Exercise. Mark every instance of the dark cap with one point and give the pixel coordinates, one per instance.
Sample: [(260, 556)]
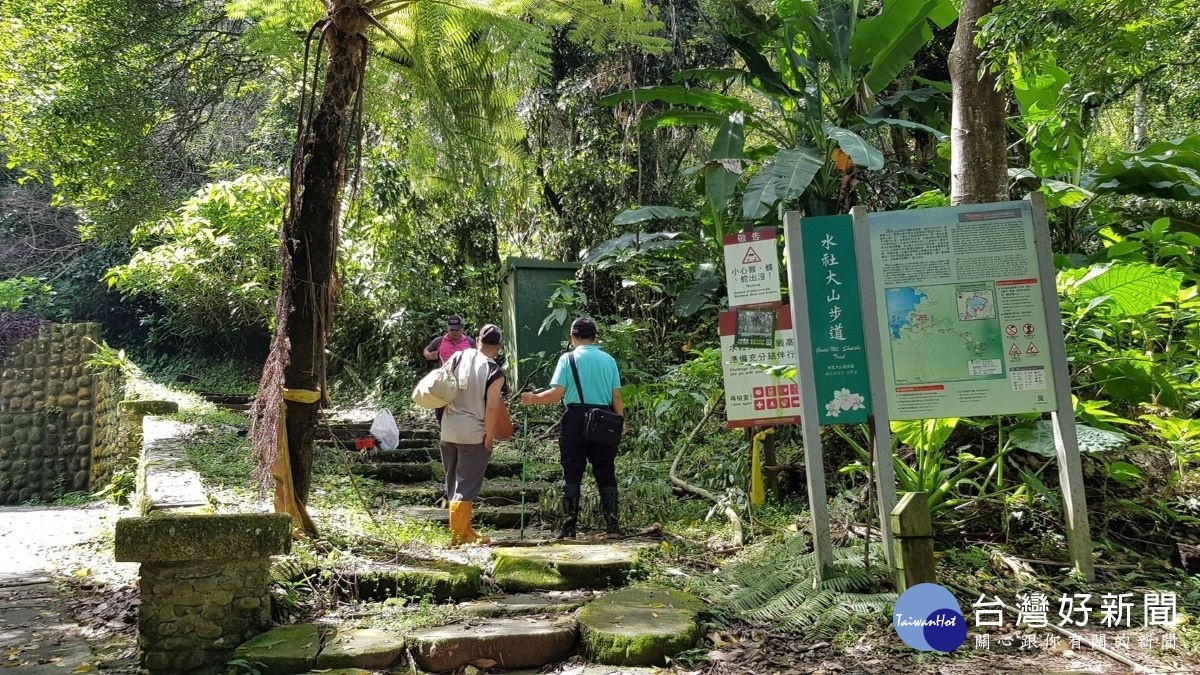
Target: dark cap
[(490, 334), (583, 328), (454, 322)]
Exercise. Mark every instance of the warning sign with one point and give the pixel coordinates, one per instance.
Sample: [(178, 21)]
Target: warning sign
[(1032, 349), (752, 268), (754, 396), (1014, 351)]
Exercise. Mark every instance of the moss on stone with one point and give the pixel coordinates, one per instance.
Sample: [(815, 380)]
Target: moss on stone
[(282, 650), (440, 580), (561, 567), (639, 626), (148, 407), (517, 574), (183, 537)]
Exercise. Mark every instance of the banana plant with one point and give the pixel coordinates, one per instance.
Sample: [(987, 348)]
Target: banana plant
[(789, 113)]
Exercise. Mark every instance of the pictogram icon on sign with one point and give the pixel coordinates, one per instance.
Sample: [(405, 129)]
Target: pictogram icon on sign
[(1014, 351), (1029, 329), (751, 256), (1011, 330), (1032, 349)]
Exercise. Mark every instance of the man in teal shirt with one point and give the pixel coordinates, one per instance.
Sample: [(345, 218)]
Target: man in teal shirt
[(600, 380)]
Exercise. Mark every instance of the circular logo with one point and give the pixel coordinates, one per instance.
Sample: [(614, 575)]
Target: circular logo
[(928, 618)]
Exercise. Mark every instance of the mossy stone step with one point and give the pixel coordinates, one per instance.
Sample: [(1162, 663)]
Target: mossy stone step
[(560, 567), (500, 517), (441, 580), (348, 431), (640, 625), (511, 643), (524, 604), (361, 648), (494, 493), (426, 447), (282, 650), (399, 455), (398, 473)]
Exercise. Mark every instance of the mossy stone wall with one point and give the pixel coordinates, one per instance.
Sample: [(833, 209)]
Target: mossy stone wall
[(55, 414), (205, 583), (194, 614)]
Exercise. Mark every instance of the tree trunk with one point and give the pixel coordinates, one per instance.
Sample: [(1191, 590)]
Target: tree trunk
[(311, 230), (978, 172), (1140, 124)]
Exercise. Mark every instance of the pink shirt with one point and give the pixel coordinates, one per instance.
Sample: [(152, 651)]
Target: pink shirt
[(446, 348)]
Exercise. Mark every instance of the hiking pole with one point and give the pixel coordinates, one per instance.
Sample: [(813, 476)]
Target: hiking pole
[(524, 454)]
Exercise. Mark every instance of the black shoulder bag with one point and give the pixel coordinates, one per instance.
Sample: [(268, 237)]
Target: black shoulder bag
[(601, 425)]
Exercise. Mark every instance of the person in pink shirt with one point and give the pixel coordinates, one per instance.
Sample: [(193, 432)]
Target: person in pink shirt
[(444, 346)]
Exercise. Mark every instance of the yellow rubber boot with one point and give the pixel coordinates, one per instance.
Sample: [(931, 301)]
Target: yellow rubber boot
[(461, 531)]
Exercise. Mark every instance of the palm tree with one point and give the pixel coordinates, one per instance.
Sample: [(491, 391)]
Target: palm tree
[(461, 56)]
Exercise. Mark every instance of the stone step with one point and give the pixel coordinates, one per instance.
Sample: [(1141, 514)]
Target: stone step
[(414, 472), (499, 517), (640, 626), (509, 643), (398, 472), (500, 492), (350, 445), (439, 579), (560, 567), (328, 649), (366, 648), (415, 453), (525, 604), (352, 430)]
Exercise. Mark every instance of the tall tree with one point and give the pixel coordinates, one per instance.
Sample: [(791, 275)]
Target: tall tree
[(978, 171), (471, 49)]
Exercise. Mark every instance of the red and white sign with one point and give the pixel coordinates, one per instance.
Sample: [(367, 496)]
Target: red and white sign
[(754, 397), (752, 267)]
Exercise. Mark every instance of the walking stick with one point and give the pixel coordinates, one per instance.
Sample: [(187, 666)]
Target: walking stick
[(524, 454)]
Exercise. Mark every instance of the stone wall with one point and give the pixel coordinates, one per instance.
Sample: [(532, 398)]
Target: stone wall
[(55, 413), (205, 583)]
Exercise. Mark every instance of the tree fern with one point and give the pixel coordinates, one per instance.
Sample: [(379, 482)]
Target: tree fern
[(776, 589)]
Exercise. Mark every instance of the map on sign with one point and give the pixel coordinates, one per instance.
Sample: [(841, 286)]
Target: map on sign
[(943, 333)]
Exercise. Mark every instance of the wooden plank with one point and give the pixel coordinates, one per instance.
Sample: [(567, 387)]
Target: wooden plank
[(885, 472), (913, 531), (814, 464), (1070, 470)]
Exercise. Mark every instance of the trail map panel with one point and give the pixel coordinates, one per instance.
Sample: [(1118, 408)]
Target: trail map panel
[(961, 311)]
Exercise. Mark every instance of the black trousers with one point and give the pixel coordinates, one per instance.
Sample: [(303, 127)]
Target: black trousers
[(575, 452)]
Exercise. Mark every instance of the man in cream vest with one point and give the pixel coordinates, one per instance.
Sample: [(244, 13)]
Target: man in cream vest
[(470, 425)]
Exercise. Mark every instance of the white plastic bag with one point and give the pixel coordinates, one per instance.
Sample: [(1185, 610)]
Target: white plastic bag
[(385, 430)]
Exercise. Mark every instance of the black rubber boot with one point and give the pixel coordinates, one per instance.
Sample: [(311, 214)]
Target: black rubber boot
[(570, 512), (608, 505)]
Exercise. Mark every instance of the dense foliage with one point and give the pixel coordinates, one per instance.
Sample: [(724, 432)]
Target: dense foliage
[(152, 155)]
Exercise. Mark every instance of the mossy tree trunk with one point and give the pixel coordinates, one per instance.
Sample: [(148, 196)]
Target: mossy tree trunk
[(311, 228)]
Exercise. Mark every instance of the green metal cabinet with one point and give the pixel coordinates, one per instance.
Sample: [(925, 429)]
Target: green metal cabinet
[(527, 287)]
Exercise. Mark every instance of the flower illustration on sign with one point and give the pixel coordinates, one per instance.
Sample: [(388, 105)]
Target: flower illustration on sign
[(844, 399)]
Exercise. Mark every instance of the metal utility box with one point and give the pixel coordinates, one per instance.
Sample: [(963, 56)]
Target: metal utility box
[(527, 287)]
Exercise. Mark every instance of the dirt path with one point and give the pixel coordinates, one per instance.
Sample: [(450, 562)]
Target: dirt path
[(65, 605)]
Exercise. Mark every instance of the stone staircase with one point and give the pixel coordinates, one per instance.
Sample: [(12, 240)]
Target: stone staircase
[(413, 474), (556, 599)]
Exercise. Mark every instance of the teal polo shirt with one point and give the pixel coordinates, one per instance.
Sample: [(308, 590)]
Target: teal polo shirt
[(598, 373)]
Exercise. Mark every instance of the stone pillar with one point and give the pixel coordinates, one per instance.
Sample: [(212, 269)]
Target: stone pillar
[(119, 441), (205, 582)]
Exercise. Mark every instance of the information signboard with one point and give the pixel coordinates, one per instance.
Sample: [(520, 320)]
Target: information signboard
[(839, 356), (754, 397), (960, 309), (752, 267)]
